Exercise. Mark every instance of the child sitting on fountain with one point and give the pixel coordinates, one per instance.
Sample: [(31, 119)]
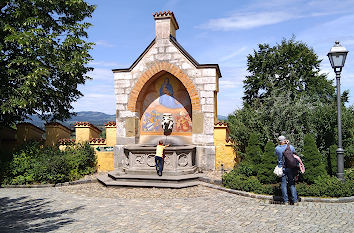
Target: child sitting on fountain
[(159, 157)]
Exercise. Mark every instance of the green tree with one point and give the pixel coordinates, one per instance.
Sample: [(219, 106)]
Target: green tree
[(348, 135), (267, 165), (278, 114), (313, 160), (290, 65), (43, 57), (253, 153), (332, 160)]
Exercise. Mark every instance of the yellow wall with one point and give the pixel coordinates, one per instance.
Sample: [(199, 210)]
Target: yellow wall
[(54, 132), (111, 136), (85, 133), (225, 153), (27, 132), (105, 161)]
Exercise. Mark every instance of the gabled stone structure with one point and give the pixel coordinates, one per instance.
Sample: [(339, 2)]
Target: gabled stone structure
[(185, 87)]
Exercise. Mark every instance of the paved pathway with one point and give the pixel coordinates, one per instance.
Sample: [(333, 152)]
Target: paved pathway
[(60, 210)]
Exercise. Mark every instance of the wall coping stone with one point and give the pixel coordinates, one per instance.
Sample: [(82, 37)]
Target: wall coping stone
[(57, 124), (86, 124), (32, 126)]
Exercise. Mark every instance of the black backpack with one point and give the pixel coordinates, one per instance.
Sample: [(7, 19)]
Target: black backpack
[(289, 159)]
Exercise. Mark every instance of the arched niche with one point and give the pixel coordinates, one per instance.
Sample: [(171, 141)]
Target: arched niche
[(164, 93)]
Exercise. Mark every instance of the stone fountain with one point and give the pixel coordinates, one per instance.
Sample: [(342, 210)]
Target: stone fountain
[(165, 95), (179, 159)]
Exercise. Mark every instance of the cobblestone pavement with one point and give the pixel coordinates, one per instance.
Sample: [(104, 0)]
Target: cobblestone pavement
[(94, 208)]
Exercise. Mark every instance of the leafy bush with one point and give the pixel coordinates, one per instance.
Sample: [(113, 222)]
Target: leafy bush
[(312, 160), (241, 182), (332, 160), (267, 165), (34, 163), (327, 186), (253, 150), (324, 186)]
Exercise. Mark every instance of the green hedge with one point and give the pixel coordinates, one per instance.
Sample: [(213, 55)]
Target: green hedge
[(34, 163), (324, 186)]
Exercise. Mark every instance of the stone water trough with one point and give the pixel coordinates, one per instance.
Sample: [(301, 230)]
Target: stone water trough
[(139, 170)]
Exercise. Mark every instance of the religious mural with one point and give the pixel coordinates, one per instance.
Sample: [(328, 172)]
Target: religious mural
[(166, 95)]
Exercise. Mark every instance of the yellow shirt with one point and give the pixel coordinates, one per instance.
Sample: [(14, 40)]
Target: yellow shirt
[(159, 150)]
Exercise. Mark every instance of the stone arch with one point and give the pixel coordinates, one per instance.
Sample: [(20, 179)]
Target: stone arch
[(155, 69)]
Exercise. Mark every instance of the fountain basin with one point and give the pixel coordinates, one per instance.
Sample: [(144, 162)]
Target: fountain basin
[(140, 159)]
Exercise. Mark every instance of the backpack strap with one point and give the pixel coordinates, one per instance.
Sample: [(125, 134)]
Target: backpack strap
[(283, 158)]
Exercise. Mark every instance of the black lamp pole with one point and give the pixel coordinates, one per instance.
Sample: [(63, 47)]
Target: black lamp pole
[(337, 56)]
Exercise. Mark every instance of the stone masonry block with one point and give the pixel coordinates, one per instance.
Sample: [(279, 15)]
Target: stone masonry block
[(207, 108), (209, 125), (171, 49), (124, 114), (153, 51), (209, 100), (161, 49), (126, 75), (121, 107), (209, 87), (123, 83), (122, 99), (206, 94), (200, 87), (204, 80), (209, 115), (186, 66), (120, 129), (163, 57), (202, 139), (136, 75), (118, 91), (193, 73), (209, 72)]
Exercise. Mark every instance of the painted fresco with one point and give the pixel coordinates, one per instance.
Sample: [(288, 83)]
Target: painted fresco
[(166, 95)]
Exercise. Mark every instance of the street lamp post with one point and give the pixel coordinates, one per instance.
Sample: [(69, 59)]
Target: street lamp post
[(337, 56)]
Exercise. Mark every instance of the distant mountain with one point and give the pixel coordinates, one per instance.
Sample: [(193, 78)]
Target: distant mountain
[(222, 118), (96, 118)]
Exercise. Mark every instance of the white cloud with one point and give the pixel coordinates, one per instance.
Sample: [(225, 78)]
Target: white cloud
[(262, 13), (236, 53), (248, 20), (97, 95), (104, 64), (227, 84), (104, 43), (101, 74)]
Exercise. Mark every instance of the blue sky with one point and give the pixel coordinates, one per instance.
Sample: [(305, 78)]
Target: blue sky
[(222, 32)]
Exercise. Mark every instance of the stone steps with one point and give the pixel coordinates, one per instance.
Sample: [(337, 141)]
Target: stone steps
[(165, 181)]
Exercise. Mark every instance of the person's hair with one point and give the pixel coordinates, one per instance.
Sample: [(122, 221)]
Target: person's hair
[(160, 142)]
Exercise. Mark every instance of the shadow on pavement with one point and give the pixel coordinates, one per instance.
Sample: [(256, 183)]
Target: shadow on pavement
[(24, 214)]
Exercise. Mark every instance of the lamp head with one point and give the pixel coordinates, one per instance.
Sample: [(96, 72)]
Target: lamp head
[(337, 56)]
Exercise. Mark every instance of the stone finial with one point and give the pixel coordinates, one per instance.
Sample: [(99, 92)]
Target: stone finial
[(165, 24)]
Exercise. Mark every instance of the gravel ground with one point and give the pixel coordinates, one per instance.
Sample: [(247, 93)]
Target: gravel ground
[(93, 208)]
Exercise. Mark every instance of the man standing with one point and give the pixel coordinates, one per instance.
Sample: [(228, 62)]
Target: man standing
[(289, 173), (159, 157)]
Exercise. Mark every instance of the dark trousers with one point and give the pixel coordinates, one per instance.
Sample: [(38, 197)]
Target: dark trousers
[(159, 164)]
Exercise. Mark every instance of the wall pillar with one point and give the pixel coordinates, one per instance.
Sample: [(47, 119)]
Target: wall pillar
[(111, 133), (54, 132), (27, 132), (85, 131)]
